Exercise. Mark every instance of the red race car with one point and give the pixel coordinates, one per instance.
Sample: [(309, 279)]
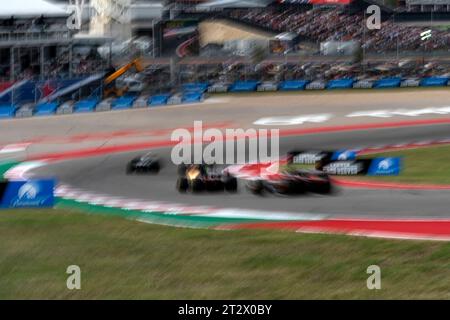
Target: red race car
[(293, 182)]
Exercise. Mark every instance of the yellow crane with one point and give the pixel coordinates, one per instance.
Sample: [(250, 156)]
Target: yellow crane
[(113, 90)]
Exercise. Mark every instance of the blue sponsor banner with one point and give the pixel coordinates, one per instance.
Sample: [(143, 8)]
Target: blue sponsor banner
[(241, 86), (385, 167), (434, 81), (192, 97), (340, 84), (388, 83), (198, 86), (343, 155), (293, 85), (28, 194)]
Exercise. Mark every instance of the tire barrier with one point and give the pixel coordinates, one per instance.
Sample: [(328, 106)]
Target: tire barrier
[(159, 100), (407, 83), (123, 103), (46, 109), (316, 85), (141, 102), (291, 85), (25, 111), (196, 86), (192, 93), (192, 97), (340, 84), (388, 83), (363, 84), (244, 86), (267, 86), (219, 87), (104, 105), (434, 82), (87, 105), (175, 99), (7, 111), (66, 108)]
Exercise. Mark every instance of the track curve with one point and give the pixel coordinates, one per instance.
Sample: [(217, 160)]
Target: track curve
[(106, 175)]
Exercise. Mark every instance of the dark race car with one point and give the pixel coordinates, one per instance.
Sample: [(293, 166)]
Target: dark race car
[(293, 182), (204, 177), (148, 163)]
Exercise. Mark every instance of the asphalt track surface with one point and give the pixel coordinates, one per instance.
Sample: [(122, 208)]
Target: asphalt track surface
[(106, 175)]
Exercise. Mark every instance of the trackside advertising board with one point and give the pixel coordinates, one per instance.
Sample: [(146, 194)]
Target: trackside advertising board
[(312, 156), (370, 167), (347, 168), (385, 167), (345, 162), (27, 194)]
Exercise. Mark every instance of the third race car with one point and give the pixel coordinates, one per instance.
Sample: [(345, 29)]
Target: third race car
[(148, 163), (203, 177)]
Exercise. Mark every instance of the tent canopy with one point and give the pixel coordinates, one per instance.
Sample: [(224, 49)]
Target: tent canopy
[(30, 8)]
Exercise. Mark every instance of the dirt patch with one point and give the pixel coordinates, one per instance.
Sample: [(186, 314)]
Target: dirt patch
[(219, 31)]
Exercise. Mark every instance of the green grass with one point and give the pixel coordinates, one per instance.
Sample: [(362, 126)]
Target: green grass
[(130, 260)]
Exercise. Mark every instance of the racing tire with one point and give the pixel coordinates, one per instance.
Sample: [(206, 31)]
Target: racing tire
[(182, 169), (182, 184), (155, 169), (231, 184), (130, 169), (197, 185), (255, 187), (326, 188)]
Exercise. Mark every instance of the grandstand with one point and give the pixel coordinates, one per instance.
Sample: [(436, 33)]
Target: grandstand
[(427, 5), (34, 40), (341, 23), (39, 57), (140, 15), (48, 68)]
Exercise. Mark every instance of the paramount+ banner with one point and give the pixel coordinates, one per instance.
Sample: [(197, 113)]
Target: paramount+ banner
[(345, 162), (369, 167), (27, 194)]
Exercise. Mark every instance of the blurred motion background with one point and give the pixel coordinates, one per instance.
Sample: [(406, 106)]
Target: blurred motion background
[(64, 50)]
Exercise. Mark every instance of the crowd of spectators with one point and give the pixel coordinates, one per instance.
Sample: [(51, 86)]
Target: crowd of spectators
[(82, 65), (337, 24), (232, 71), (405, 69), (37, 24)]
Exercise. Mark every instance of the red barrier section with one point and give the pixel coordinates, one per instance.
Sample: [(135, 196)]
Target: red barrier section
[(387, 185), (414, 229), (365, 126)]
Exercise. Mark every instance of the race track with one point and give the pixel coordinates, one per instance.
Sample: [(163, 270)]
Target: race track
[(106, 175)]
